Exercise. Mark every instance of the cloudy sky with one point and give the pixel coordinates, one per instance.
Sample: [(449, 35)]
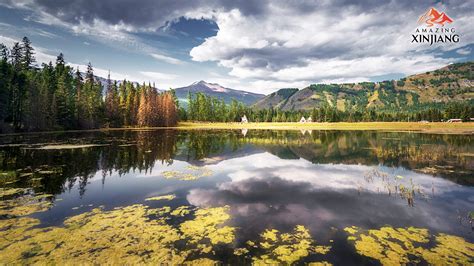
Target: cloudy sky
[(257, 46)]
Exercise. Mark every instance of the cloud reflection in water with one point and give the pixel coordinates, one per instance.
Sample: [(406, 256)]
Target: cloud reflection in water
[(265, 191)]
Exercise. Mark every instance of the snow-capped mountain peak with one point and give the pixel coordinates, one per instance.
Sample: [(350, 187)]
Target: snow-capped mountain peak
[(216, 90), (212, 86)]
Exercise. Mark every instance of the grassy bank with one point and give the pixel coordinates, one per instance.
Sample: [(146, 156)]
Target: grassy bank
[(435, 127), (438, 127)]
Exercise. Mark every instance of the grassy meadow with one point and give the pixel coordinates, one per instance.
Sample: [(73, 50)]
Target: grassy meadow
[(434, 127)]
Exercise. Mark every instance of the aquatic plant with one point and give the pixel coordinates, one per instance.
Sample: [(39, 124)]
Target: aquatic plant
[(122, 235), (283, 248), (204, 229), (24, 204), (95, 237), (163, 197), (192, 173), (395, 246), (6, 192), (7, 178), (181, 211), (396, 185)]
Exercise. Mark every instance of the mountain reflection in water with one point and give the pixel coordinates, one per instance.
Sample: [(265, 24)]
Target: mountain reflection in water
[(306, 186)]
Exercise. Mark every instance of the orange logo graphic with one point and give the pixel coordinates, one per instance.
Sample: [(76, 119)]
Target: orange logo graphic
[(433, 16)]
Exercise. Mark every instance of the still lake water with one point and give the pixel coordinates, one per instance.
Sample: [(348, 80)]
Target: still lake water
[(237, 197)]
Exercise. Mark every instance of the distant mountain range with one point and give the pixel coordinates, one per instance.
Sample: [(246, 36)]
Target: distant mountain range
[(211, 89), (216, 90), (452, 83)]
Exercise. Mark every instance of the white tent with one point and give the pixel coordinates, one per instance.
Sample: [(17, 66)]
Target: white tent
[(302, 120), (244, 119), (309, 120)]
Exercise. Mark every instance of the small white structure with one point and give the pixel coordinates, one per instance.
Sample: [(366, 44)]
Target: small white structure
[(302, 120), (454, 120), (309, 120), (244, 119)]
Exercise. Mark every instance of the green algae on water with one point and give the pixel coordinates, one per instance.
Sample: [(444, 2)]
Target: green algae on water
[(395, 246)]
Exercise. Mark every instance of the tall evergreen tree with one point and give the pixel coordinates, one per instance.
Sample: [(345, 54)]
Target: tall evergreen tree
[(112, 104), (16, 56), (4, 52), (28, 53)]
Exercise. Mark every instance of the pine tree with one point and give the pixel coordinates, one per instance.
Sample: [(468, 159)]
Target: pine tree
[(112, 103), (17, 88), (60, 64), (191, 107), (27, 53), (61, 102), (175, 98), (109, 100), (89, 98), (134, 105), (4, 52), (64, 94), (89, 73), (5, 83), (16, 56), (32, 118), (124, 107), (79, 101), (142, 118), (169, 110)]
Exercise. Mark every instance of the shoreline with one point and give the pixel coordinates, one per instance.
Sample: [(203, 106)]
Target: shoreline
[(430, 127)]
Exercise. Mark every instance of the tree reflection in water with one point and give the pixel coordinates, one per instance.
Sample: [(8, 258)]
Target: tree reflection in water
[(449, 156)]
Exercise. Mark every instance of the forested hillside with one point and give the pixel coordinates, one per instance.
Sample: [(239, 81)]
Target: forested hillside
[(57, 97), (454, 83), (276, 100)]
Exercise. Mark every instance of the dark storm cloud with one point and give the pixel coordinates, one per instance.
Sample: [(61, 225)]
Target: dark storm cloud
[(135, 13), (142, 13)]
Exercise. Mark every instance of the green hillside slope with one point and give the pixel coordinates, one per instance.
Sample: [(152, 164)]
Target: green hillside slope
[(452, 83)]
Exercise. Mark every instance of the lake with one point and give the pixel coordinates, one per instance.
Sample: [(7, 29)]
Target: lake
[(237, 197)]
